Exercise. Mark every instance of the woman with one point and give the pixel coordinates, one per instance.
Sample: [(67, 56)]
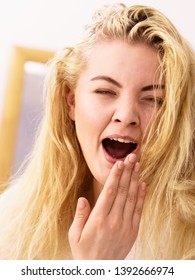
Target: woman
[(121, 99)]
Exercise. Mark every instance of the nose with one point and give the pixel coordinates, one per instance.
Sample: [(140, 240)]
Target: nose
[(127, 112)]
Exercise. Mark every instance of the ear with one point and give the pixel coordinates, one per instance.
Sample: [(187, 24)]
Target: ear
[(70, 100)]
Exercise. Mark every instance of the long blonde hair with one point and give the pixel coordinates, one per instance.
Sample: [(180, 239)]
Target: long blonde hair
[(37, 211)]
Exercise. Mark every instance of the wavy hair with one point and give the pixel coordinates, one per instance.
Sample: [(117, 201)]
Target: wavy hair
[(37, 211)]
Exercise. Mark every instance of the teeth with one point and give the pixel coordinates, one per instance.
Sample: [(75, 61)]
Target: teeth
[(122, 140)]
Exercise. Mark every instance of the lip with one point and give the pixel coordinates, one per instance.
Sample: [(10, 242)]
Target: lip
[(111, 159)]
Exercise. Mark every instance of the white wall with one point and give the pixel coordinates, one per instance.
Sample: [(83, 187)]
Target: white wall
[(52, 24)]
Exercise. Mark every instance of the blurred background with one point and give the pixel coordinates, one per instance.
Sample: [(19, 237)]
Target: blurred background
[(51, 25)]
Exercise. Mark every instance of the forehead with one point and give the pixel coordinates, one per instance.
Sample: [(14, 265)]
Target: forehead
[(122, 60)]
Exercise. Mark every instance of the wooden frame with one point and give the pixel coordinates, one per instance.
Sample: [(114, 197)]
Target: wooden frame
[(12, 104)]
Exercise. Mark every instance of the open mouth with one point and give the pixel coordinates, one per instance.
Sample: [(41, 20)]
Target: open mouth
[(118, 148)]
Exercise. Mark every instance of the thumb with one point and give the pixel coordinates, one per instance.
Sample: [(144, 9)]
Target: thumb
[(82, 213)]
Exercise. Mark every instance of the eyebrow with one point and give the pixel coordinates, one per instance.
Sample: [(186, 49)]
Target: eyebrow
[(107, 79), (114, 82), (153, 87)]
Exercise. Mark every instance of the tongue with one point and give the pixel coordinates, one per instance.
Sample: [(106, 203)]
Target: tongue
[(116, 149)]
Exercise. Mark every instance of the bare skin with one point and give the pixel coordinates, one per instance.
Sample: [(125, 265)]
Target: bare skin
[(111, 228)]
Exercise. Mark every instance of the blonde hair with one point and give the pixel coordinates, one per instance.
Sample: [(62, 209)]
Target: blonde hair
[(37, 211)]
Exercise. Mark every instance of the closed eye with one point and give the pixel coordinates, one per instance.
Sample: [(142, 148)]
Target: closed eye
[(154, 99), (105, 92)]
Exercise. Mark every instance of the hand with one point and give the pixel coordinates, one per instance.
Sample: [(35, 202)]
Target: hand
[(110, 229)]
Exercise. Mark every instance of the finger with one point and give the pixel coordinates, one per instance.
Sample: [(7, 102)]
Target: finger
[(82, 213), (139, 206), (132, 194), (123, 187), (109, 192)]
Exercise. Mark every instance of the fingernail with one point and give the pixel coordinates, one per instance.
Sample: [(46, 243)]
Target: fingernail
[(137, 167), (143, 186), (81, 203), (132, 158), (120, 165)]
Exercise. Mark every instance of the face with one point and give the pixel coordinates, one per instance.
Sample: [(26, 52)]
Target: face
[(114, 102)]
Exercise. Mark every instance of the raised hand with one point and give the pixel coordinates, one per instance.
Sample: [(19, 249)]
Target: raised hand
[(110, 229)]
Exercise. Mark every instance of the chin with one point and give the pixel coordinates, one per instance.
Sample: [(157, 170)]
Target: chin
[(99, 181)]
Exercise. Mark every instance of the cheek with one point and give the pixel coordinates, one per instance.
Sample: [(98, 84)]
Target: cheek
[(85, 113), (88, 121), (147, 119), (89, 112)]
